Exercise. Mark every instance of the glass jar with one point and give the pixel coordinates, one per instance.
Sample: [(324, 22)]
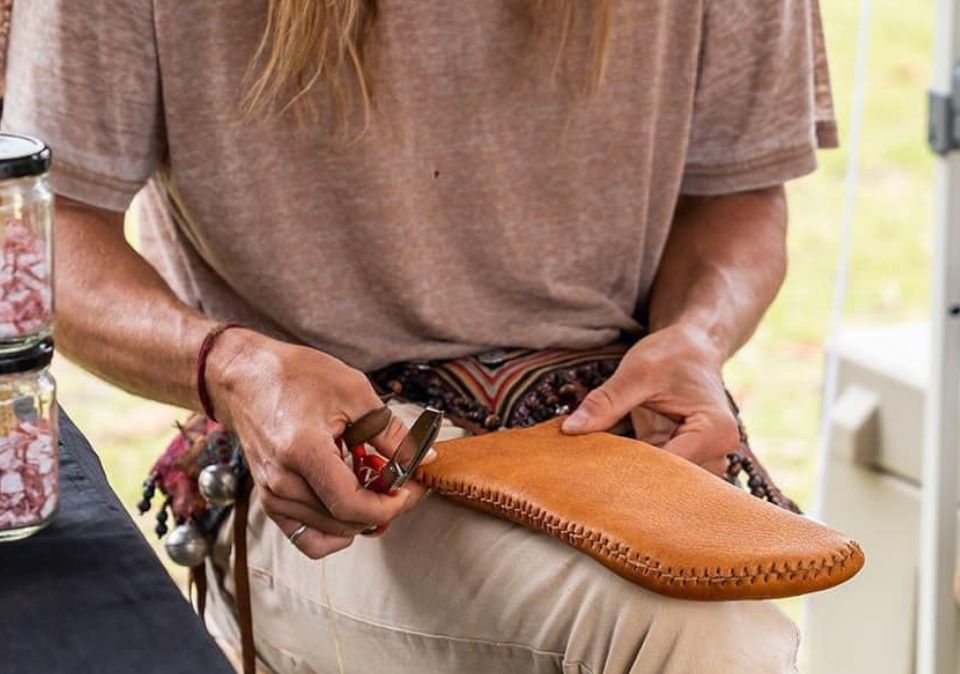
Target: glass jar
[(29, 460), (26, 263)]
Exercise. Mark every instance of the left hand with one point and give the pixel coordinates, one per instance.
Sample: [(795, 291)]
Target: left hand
[(670, 383)]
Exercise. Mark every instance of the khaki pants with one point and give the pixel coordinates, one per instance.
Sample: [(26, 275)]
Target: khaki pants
[(450, 590)]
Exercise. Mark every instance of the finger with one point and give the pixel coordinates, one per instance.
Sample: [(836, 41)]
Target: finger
[(276, 506), (716, 466), (704, 436), (338, 489), (605, 405), (369, 425), (314, 544), (360, 402), (417, 491), (289, 485), (387, 441), (651, 427), (359, 407)]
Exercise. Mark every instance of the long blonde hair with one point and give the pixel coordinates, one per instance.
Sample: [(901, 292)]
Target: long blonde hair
[(306, 42)]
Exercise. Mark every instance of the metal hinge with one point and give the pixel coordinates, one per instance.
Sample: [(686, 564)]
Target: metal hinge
[(943, 129)]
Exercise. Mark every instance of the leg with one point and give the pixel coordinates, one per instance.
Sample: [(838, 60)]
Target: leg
[(448, 589)]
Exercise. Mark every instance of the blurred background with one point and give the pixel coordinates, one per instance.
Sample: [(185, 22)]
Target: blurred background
[(777, 378)]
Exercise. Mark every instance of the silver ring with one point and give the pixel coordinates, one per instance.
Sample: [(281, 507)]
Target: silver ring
[(297, 533)]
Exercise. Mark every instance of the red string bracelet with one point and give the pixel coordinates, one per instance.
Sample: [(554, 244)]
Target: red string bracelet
[(205, 348)]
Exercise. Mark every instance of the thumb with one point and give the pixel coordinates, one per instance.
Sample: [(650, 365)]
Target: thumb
[(603, 407)]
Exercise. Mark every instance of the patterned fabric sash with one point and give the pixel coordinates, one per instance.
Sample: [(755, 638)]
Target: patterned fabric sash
[(504, 388)]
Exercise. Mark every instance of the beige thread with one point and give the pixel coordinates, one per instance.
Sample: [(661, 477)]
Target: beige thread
[(333, 615)]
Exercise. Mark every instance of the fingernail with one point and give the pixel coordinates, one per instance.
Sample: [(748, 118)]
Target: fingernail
[(405, 493), (431, 455), (575, 421)]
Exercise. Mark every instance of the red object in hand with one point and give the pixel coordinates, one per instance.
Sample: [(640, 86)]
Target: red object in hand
[(383, 476), (368, 467)]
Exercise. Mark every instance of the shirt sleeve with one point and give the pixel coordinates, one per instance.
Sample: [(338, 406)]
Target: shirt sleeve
[(762, 105), (83, 77)]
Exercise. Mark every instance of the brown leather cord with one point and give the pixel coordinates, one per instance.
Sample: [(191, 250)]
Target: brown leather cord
[(241, 578), (198, 579), (759, 482), (362, 430), (365, 428)]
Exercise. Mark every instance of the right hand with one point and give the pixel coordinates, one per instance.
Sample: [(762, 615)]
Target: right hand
[(288, 404)]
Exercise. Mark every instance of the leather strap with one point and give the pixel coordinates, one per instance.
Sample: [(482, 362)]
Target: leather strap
[(363, 429), (241, 578), (198, 579)]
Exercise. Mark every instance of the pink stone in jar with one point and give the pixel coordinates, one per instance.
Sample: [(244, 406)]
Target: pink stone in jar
[(25, 293), (29, 486)]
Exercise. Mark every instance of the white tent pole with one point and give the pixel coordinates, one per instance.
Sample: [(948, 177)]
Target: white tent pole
[(841, 279), (937, 609), (844, 247)]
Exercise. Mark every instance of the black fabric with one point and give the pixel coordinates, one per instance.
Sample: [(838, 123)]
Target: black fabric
[(87, 594)]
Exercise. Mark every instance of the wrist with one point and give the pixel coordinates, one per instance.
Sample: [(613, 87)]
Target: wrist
[(705, 341), (227, 368)]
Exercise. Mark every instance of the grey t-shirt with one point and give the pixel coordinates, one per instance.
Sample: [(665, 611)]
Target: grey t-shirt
[(488, 204)]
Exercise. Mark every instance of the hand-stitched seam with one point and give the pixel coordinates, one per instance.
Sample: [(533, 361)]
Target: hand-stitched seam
[(645, 565)]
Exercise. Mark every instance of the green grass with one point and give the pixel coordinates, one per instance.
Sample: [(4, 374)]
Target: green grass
[(777, 377)]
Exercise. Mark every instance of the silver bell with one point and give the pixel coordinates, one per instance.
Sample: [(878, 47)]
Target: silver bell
[(218, 484), (186, 545)]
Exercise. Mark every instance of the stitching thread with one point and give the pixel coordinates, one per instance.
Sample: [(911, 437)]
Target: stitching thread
[(577, 534)]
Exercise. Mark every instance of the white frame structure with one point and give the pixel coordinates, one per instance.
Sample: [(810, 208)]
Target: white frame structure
[(937, 608)]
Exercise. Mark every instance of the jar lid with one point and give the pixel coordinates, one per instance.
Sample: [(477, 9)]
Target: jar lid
[(33, 357), (22, 156)]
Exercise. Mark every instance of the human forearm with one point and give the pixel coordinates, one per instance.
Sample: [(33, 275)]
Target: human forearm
[(115, 315), (724, 263), (287, 403)]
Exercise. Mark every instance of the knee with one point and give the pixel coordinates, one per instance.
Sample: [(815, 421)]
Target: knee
[(634, 631), (745, 637)]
